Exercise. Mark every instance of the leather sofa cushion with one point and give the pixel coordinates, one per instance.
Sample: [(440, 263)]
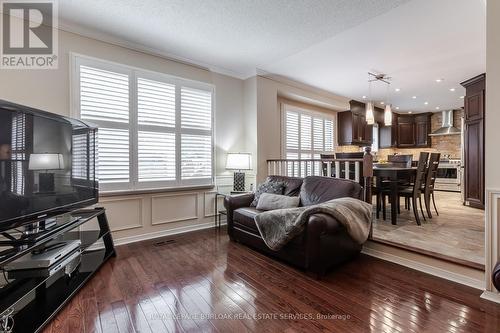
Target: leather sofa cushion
[(316, 189), (292, 184), (245, 218)]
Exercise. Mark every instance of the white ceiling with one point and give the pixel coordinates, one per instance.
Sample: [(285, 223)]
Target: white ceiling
[(233, 36), (415, 43), (329, 44)]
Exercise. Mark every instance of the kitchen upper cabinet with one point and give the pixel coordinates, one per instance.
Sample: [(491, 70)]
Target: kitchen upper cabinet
[(406, 131), (474, 141), (352, 126), (353, 129), (388, 137), (422, 130)]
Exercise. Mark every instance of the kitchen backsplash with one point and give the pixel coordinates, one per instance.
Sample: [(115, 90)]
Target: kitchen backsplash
[(448, 144)]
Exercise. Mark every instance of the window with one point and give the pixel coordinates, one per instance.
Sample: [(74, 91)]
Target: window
[(307, 134), (155, 130)]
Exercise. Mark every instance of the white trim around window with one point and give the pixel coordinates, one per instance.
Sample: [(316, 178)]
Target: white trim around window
[(155, 130)]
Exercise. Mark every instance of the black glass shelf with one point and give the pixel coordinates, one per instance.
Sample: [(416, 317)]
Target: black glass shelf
[(25, 246), (47, 303), (36, 300)]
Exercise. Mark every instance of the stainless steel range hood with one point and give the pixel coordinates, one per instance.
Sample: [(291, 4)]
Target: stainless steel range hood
[(447, 127)]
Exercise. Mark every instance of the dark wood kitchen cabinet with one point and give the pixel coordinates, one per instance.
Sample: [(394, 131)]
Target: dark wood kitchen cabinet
[(422, 130), (388, 135), (474, 141), (406, 131), (352, 126)]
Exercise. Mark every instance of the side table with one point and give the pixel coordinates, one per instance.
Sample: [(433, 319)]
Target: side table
[(219, 213)]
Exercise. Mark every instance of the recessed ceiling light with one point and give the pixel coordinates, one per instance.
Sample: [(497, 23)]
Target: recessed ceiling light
[(462, 97), (409, 112), (414, 97), (426, 103), (452, 89), (397, 89), (364, 97), (382, 103), (439, 80), (437, 107), (397, 107)]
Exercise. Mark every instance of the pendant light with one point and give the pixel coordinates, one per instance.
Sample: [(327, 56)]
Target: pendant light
[(388, 115), (370, 118), (388, 110)]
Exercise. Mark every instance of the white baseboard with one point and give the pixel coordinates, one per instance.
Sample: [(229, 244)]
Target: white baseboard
[(163, 233), (491, 296), (468, 281)]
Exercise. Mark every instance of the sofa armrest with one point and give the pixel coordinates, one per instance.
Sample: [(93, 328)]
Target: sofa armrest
[(319, 224), (233, 202), (495, 276)]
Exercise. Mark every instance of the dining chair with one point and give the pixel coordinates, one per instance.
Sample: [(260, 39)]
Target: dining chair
[(415, 191), (429, 183)]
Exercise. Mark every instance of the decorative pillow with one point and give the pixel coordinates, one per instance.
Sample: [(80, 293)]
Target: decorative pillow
[(268, 201), (267, 187)]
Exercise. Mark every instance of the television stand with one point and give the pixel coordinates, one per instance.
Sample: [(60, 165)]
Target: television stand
[(30, 303)]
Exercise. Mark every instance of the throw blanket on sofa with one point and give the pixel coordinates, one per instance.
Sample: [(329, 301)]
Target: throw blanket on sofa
[(279, 226)]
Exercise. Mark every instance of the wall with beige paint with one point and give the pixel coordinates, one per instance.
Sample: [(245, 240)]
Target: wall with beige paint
[(492, 138), (268, 130), (137, 215)]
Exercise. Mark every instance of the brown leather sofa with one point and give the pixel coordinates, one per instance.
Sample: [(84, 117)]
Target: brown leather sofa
[(495, 276), (324, 242)]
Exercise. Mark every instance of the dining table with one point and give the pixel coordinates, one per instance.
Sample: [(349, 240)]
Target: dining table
[(392, 175)]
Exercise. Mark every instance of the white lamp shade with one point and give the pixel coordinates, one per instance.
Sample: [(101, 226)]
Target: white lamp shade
[(388, 115), (46, 161), (370, 118), (239, 161)]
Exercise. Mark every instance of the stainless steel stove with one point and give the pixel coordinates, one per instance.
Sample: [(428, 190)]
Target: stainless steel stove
[(449, 175)]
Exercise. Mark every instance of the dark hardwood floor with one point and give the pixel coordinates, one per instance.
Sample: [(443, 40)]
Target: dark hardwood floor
[(202, 282)]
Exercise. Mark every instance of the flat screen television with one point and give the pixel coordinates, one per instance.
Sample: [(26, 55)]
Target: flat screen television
[(47, 165)]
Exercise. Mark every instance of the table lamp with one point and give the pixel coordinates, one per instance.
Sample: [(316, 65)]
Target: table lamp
[(46, 161), (239, 161)]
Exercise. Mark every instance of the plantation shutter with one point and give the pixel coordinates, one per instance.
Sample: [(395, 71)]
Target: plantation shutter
[(292, 131), (104, 95), (329, 141), (196, 134), (156, 137), (79, 154), (104, 100), (156, 155), (155, 130), (318, 139), (307, 135)]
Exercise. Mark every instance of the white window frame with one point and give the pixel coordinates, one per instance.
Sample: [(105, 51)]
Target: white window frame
[(313, 114), (76, 60)]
